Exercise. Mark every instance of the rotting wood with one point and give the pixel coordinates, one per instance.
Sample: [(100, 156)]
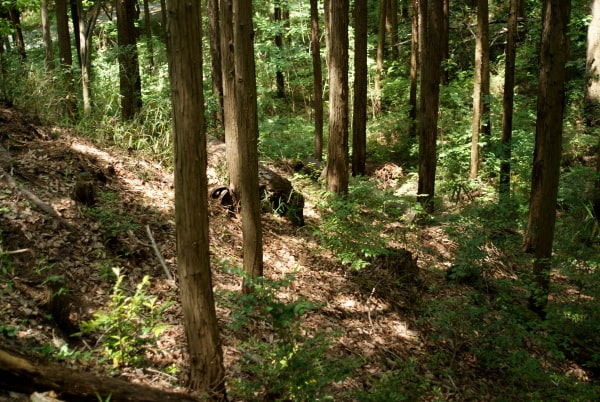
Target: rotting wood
[(18, 373)]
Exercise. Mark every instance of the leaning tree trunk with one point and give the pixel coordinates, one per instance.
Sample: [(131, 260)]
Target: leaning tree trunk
[(548, 140)]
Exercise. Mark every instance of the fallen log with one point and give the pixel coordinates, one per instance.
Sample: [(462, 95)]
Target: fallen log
[(18, 373), (277, 194)]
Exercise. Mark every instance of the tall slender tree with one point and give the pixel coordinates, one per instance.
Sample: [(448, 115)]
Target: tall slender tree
[(315, 46), (592, 89), (507, 101), (130, 83), (247, 146), (47, 36), (481, 85), (547, 153), (392, 18), (229, 96), (379, 58), (65, 58), (148, 32), (184, 35), (87, 22), (278, 13), (429, 100), (414, 69), (359, 115), (337, 151), (214, 35)]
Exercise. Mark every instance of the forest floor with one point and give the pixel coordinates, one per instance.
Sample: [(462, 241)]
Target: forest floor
[(375, 322)]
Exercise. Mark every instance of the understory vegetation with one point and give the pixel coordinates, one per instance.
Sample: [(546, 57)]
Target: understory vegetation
[(468, 305)]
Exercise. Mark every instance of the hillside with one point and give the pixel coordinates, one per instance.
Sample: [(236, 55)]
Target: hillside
[(382, 326)]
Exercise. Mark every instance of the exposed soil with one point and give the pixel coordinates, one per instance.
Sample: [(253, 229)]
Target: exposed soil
[(376, 319)]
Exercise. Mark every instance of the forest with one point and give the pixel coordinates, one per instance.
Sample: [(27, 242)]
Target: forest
[(342, 200)]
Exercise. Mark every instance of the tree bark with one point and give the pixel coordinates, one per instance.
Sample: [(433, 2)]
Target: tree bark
[(429, 102), (247, 146), (47, 36), (392, 17), (279, 79), (359, 115), (379, 59), (148, 31), (184, 35), (507, 102), (337, 159), (547, 153), (87, 22), (592, 90), (229, 105), (65, 56), (130, 84), (214, 35), (18, 373), (414, 69), (315, 45), (480, 84), (15, 18), (445, 41)]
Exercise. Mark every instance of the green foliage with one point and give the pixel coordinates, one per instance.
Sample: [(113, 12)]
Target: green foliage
[(353, 226), (128, 326), (403, 383), (290, 364)]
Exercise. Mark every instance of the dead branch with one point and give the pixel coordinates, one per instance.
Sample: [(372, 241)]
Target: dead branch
[(19, 373)]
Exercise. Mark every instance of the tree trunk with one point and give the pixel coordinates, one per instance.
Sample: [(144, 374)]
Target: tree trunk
[(148, 31), (507, 102), (445, 41), (379, 59), (429, 103), (547, 153), (247, 146), (315, 45), (279, 79), (65, 56), (87, 22), (592, 89), (479, 86), (76, 15), (229, 105), (359, 115), (214, 35), (15, 18), (392, 17), (130, 84), (18, 373), (337, 151), (414, 69), (184, 35), (48, 52)]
